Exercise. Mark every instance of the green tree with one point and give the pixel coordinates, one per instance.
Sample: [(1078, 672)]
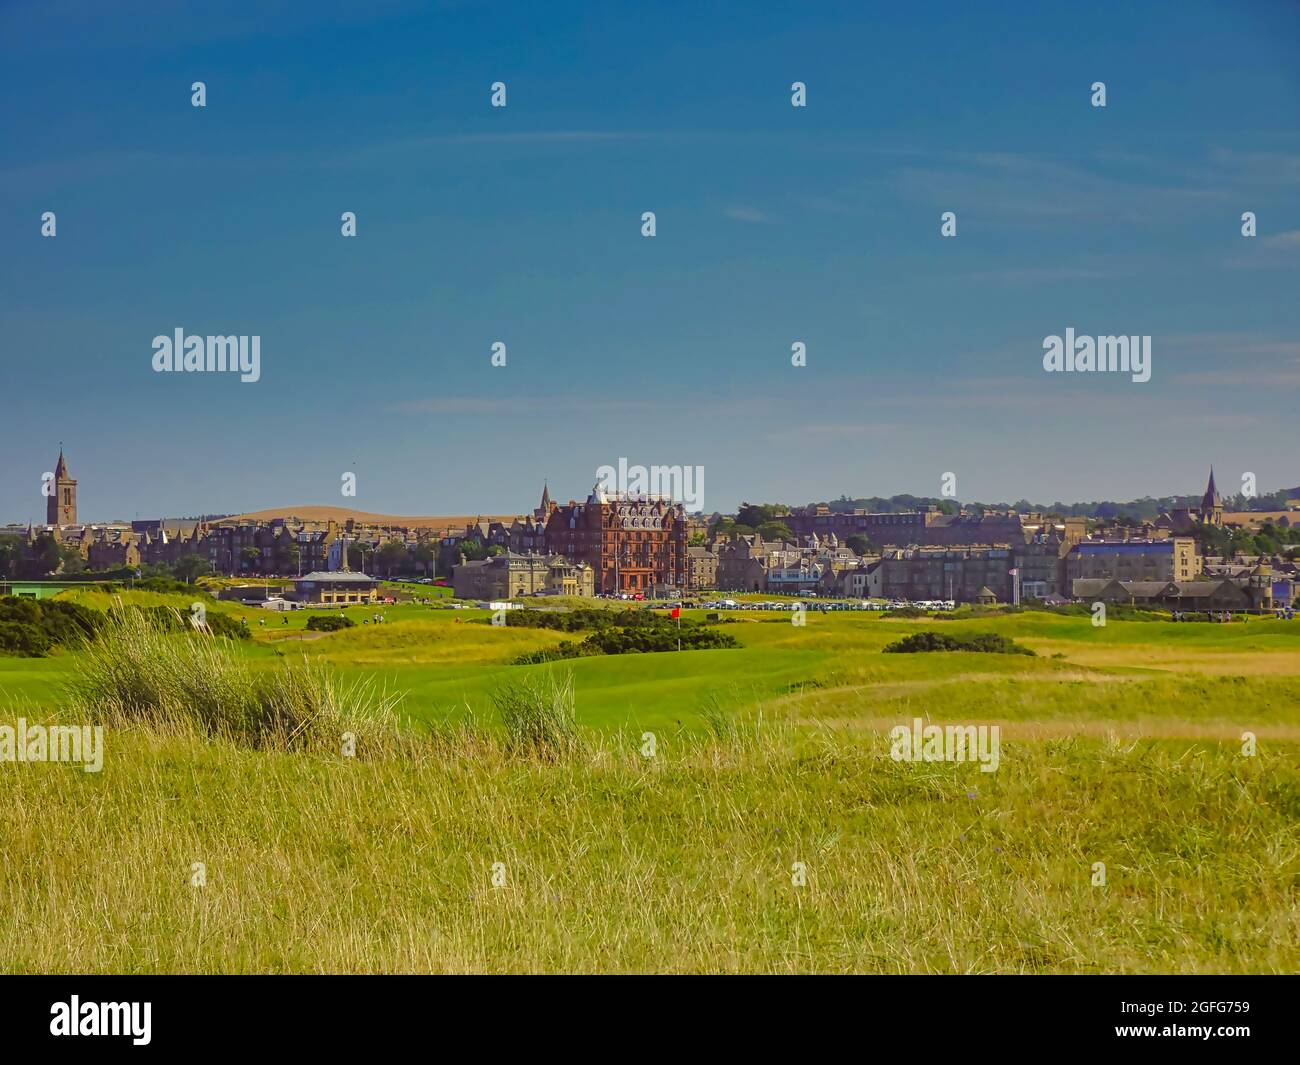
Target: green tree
[(289, 555), (1212, 539), (757, 514), (860, 545), (425, 554), (47, 553), (357, 555), (393, 557), (189, 567), (724, 527), (11, 554)]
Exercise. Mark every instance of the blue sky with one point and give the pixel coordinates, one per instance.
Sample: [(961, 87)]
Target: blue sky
[(522, 224)]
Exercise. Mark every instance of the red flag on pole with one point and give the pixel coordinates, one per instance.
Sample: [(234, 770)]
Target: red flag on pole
[(676, 612)]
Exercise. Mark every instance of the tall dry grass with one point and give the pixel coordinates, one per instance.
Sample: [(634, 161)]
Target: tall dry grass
[(539, 715), (772, 851), (136, 674)]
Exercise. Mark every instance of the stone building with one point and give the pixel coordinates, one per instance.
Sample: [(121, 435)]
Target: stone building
[(510, 575), (1040, 563), (962, 574), (115, 549), (61, 504), (742, 562), (1254, 593), (927, 526), (863, 581), (748, 563), (632, 543), (701, 568), (337, 588), (1172, 559), (1210, 512)]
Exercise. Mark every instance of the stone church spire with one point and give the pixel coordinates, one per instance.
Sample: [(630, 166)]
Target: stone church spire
[(1212, 498), (1212, 503), (61, 503)]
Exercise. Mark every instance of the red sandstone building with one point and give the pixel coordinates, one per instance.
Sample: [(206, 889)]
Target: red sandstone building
[(632, 544)]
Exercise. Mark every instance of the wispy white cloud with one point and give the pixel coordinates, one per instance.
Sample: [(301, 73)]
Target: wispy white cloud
[(578, 406), (1033, 187), (506, 406), (1245, 377), (743, 213), (1288, 239), (1258, 168), (1036, 274)]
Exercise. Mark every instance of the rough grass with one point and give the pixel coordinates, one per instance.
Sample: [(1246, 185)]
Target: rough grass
[(609, 860), (685, 862), (136, 673), (539, 716)]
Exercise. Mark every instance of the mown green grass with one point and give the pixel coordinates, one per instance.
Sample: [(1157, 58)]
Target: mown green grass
[(446, 663)]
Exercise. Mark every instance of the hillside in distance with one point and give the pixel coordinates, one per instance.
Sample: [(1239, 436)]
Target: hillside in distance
[(313, 512)]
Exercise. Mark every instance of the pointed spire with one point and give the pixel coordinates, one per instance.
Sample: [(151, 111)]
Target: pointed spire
[(61, 469), (1211, 499), (546, 496)]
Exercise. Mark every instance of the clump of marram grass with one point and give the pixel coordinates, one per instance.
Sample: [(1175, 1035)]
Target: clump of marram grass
[(720, 723), (539, 716), (138, 673)]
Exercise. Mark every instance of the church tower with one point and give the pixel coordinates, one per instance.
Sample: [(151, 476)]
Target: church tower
[(1211, 504), (61, 504), (544, 510)]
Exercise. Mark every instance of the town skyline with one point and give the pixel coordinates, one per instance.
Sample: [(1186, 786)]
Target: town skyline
[(1194, 551), (341, 511)]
